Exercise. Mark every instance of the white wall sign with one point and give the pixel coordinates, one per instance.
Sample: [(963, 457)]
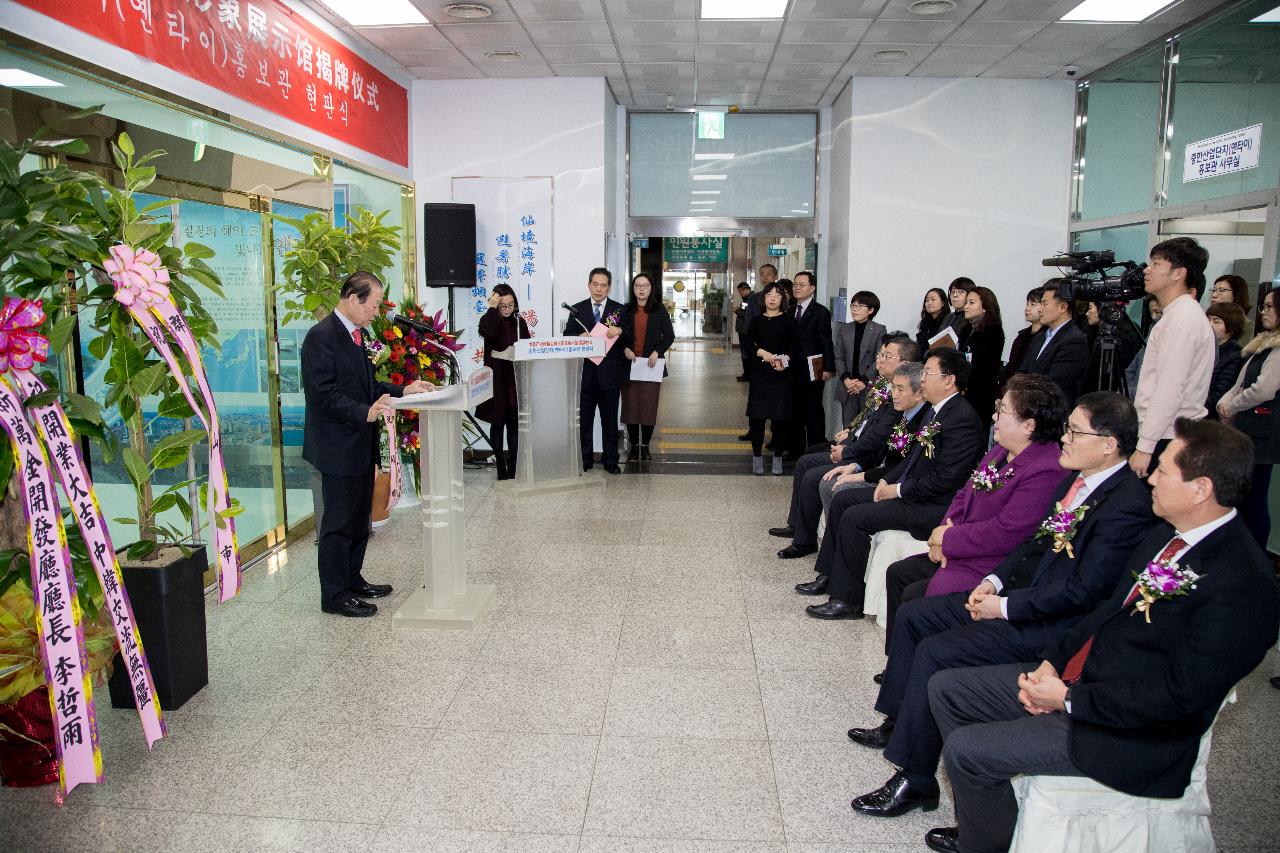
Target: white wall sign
[(513, 246), (1222, 154)]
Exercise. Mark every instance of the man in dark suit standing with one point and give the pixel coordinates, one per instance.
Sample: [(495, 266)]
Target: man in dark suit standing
[(1125, 696), (601, 383), (340, 439), (1013, 614), (814, 320), (1060, 350), (913, 494)]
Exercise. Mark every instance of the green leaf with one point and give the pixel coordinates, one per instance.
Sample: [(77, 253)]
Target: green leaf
[(44, 398), (162, 204), (175, 406), (136, 467), (84, 407), (163, 503), (98, 347), (196, 251), (171, 458), (148, 380), (140, 549), (126, 144), (61, 332), (6, 466)]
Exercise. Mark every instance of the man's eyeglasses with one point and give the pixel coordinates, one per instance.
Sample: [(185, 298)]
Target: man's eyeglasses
[(927, 372), (1068, 431), (888, 356)]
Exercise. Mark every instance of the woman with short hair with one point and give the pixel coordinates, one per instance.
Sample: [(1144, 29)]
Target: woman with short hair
[(856, 345)]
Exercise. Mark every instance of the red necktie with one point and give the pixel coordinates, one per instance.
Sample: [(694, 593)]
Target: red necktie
[(1075, 666), (357, 337), (1073, 491)]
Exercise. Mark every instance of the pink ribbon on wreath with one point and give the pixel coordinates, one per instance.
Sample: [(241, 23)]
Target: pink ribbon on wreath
[(142, 287), (20, 345)]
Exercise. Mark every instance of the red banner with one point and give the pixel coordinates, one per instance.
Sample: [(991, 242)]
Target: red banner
[(261, 51)]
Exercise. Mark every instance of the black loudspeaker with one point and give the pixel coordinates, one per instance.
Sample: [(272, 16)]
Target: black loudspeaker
[(449, 244)]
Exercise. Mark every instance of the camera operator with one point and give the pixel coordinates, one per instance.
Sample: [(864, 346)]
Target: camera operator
[(1178, 365)]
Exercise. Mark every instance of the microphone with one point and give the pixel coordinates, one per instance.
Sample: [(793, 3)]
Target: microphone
[(574, 317), (405, 322)]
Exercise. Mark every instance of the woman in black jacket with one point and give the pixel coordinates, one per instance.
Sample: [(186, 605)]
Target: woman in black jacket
[(646, 322), (983, 348), (934, 314), (500, 327), (1227, 320), (774, 340)]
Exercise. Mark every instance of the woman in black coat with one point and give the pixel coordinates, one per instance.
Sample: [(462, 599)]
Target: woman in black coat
[(934, 314), (1227, 321), (983, 348), (498, 328), (774, 339), (645, 320)]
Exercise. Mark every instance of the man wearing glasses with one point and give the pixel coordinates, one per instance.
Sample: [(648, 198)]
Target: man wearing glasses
[(864, 446), (1033, 597)]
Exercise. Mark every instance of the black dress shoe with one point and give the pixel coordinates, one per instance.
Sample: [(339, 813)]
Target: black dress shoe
[(744, 378), (877, 738), (633, 455), (833, 609), (817, 586), (645, 455), (612, 469), (350, 607), (878, 678), (945, 839), (897, 797), (793, 551), (371, 590), (746, 436), (587, 465), (787, 532)]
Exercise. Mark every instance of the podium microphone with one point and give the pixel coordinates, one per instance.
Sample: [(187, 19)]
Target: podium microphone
[(566, 306)]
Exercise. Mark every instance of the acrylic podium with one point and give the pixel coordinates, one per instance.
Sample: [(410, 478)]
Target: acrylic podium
[(445, 599), (548, 377)]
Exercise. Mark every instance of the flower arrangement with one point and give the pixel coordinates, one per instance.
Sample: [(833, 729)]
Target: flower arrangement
[(1159, 580), (926, 435), (401, 356), (1061, 525), (880, 392), (989, 478), (900, 439)]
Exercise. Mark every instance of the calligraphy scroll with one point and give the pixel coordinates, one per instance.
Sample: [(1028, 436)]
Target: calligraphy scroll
[(57, 611), (142, 287)]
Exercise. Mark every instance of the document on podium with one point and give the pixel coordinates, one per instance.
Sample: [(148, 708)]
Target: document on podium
[(642, 372)]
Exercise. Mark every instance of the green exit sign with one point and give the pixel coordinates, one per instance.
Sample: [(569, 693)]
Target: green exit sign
[(710, 125)]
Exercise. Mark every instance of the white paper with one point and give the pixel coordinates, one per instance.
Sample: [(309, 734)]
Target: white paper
[(642, 372), (948, 333)]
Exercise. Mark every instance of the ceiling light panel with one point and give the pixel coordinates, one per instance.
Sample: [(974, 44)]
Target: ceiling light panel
[(1116, 11), (1272, 17), (376, 13), (19, 79), (742, 9), (533, 11)]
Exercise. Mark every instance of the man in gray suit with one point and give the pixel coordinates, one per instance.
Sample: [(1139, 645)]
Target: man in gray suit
[(857, 343)]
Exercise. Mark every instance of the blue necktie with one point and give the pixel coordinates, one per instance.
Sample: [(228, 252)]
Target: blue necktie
[(597, 313)]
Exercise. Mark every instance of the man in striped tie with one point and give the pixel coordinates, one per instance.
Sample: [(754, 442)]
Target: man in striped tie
[(1126, 695)]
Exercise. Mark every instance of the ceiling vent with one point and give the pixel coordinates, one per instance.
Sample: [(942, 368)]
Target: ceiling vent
[(931, 7), (890, 55), (505, 55), (468, 10)]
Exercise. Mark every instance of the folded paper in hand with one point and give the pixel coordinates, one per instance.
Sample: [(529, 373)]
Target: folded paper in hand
[(602, 331)]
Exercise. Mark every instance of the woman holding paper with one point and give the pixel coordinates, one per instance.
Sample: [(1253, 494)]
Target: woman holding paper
[(500, 327), (774, 337), (645, 322), (983, 348)]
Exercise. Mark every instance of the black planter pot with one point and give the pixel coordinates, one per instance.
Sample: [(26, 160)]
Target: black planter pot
[(168, 602)]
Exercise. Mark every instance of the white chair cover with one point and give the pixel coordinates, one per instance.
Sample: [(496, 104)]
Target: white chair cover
[(1075, 814), (887, 548)]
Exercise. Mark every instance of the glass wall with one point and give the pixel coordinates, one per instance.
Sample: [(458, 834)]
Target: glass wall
[(224, 182)]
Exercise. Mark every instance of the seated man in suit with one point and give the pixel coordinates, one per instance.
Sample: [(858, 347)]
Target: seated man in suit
[(1125, 696), (1060, 350), (1010, 617), (809, 426), (601, 383), (866, 444), (913, 494)]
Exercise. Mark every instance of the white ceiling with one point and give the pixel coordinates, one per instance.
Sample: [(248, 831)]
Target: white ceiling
[(652, 50)]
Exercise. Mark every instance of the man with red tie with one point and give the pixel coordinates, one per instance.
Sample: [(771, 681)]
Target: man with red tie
[(1125, 696)]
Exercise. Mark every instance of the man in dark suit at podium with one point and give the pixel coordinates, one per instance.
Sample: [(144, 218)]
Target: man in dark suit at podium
[(601, 383), (814, 320), (340, 439)]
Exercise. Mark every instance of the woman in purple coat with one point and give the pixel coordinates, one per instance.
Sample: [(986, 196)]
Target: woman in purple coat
[(1001, 505)]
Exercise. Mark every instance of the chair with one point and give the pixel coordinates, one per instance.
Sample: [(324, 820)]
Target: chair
[(887, 548), (1075, 814)]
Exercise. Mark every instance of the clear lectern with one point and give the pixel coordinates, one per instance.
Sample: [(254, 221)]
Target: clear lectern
[(548, 376), (445, 599)]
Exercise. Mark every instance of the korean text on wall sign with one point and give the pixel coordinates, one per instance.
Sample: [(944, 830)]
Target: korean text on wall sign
[(1222, 154)]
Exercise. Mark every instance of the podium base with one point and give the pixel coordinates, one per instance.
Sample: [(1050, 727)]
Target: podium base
[(465, 613), (589, 480)]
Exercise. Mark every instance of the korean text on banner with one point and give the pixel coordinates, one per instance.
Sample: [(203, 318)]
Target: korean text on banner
[(260, 51), (1222, 154)]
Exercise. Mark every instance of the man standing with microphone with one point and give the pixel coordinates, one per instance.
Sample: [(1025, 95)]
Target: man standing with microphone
[(340, 439)]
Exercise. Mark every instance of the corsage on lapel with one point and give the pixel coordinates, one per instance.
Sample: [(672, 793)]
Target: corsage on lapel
[(1062, 525), (926, 436), (989, 478), (900, 439), (1161, 579)]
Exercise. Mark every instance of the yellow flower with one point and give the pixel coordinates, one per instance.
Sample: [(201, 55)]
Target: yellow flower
[(399, 332)]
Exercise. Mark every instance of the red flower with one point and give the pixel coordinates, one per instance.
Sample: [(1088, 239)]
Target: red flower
[(396, 378), (388, 335)]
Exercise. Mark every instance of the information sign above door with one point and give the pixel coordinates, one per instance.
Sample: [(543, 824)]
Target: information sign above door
[(695, 250), (777, 251)]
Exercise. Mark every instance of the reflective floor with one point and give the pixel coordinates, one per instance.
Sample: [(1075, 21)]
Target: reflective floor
[(648, 682)]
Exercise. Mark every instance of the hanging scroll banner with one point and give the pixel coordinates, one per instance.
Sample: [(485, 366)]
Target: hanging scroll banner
[(20, 348), (142, 287), (393, 453), (57, 611)]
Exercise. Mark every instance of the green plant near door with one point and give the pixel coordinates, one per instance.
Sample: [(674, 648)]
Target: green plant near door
[(323, 255)]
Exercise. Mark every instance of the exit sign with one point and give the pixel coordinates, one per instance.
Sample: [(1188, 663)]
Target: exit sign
[(710, 125), (777, 251)]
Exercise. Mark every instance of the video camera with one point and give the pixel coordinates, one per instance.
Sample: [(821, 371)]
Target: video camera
[(1089, 276)]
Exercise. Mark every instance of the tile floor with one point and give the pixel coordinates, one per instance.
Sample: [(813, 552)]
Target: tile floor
[(650, 686)]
